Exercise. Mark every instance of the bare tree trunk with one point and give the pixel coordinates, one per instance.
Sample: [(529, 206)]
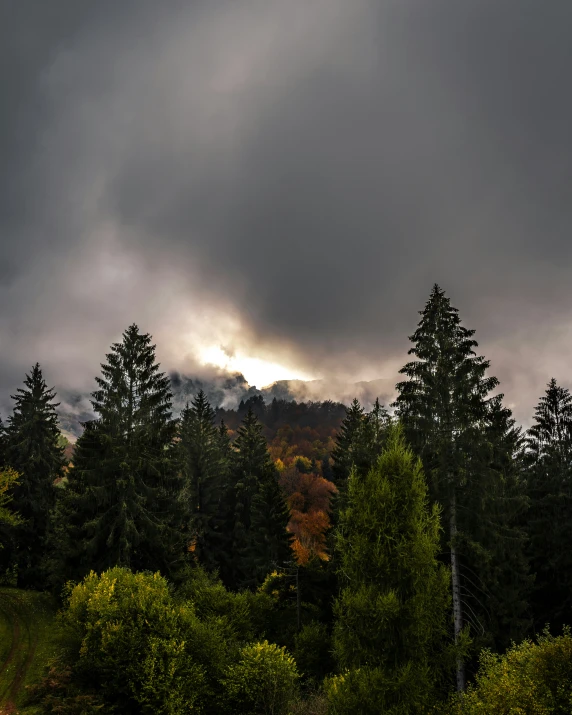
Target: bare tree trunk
[(456, 583)]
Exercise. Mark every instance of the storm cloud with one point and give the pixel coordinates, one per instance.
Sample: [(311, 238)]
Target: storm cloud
[(285, 178)]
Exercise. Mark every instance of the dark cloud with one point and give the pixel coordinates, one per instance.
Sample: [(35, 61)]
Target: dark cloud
[(289, 178)]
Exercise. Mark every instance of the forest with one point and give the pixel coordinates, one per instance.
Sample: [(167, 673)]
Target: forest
[(290, 558)]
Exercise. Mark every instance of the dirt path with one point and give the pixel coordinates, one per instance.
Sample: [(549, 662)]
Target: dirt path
[(19, 656)]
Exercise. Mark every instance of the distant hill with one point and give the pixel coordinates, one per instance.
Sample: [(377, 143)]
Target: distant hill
[(228, 391), (338, 391)]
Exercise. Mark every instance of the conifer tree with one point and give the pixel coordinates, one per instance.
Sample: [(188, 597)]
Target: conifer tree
[(8, 517), (349, 451), (123, 492), (31, 448), (224, 447), (2, 443), (269, 542), (446, 407), (252, 500), (391, 628), (376, 427), (203, 467), (549, 483), (360, 440)]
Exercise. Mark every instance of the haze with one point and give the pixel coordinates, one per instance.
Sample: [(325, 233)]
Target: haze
[(283, 182)]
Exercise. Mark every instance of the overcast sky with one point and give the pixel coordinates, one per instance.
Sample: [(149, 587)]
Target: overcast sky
[(285, 179)]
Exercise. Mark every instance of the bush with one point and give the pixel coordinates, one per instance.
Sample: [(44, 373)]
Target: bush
[(57, 693), (313, 651), (370, 691), (240, 615), (139, 646), (530, 679), (263, 681)]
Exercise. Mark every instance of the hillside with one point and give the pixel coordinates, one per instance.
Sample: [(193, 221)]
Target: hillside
[(228, 391)]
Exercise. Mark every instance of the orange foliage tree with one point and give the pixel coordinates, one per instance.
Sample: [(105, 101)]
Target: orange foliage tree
[(308, 497)]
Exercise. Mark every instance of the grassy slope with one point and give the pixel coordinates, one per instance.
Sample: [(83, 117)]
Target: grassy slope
[(27, 641)]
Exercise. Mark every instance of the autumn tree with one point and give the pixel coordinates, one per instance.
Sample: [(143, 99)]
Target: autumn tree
[(32, 449), (309, 500)]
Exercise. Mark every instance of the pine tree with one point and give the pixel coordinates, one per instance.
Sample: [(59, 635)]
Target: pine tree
[(549, 483), (349, 449), (392, 613), (446, 410), (8, 517), (68, 556), (201, 452), (497, 528), (269, 542), (252, 500), (124, 487), (2, 444), (31, 448), (376, 427)]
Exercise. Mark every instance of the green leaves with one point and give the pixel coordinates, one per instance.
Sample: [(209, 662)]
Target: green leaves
[(392, 611)]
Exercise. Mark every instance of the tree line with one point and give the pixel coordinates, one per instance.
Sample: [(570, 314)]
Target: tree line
[(451, 525)]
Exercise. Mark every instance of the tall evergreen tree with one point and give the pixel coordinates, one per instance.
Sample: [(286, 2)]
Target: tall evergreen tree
[(360, 440), (376, 428), (348, 451), (31, 448), (446, 407), (124, 488), (2, 443), (203, 464), (269, 542), (549, 482), (256, 516), (393, 610)]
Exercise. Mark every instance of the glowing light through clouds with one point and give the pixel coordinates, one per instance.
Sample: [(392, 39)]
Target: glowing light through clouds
[(257, 372)]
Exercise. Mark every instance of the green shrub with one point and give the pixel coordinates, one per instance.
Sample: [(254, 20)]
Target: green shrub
[(313, 651), (530, 679), (241, 615), (57, 693), (263, 681), (371, 691), (139, 646)]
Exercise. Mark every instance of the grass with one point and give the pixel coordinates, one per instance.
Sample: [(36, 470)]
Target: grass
[(28, 639)]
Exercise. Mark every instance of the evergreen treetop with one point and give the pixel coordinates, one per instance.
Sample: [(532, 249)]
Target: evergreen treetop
[(392, 611), (124, 487), (32, 448)]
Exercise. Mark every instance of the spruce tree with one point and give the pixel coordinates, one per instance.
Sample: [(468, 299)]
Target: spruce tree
[(31, 448), (2, 444), (252, 501), (549, 485), (446, 407), (123, 491), (376, 427), (349, 451), (269, 542), (203, 464), (391, 628)]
